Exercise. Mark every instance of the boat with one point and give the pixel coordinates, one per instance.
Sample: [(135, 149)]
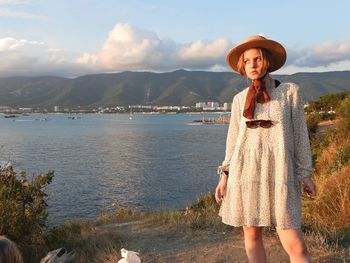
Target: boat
[(10, 116), (220, 120)]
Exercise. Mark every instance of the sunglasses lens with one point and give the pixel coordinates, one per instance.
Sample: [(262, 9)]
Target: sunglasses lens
[(256, 123), (252, 124), (266, 123)]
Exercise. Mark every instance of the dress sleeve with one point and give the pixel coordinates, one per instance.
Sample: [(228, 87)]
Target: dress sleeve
[(231, 135), (302, 151)]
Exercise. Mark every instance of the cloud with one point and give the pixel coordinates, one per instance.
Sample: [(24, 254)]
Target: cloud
[(21, 57), (9, 43), (11, 13), (13, 1), (205, 54), (322, 55), (130, 48)]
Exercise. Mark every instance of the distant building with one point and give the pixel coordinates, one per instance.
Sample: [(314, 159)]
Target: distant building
[(25, 109), (5, 109), (145, 107), (208, 105), (56, 108), (200, 104), (168, 108), (227, 106)]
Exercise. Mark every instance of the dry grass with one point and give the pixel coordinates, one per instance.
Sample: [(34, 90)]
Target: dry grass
[(202, 214), (329, 212), (324, 252), (120, 215), (95, 244), (80, 235)]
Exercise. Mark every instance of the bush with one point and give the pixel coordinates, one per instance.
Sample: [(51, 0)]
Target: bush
[(329, 212), (22, 204), (312, 121), (344, 114)]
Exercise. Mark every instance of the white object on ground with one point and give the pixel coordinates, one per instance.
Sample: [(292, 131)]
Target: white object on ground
[(129, 256), (59, 255)]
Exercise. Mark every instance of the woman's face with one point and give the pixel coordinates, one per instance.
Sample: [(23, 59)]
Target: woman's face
[(253, 63)]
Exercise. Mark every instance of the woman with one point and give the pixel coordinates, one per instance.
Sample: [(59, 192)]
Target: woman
[(268, 153)]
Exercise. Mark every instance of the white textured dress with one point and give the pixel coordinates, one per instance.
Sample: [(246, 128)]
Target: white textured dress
[(266, 165)]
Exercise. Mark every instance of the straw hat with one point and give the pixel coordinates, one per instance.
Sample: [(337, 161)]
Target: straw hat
[(277, 51)]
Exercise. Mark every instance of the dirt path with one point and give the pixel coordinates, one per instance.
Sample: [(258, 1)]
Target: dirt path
[(323, 126), (161, 244)]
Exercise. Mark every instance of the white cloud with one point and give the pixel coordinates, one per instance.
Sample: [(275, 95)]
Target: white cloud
[(130, 48), (17, 14), (323, 55), (21, 57), (200, 50), (205, 55), (9, 43)]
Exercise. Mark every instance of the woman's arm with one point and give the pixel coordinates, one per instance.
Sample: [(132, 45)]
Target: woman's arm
[(223, 169), (231, 136), (302, 151)]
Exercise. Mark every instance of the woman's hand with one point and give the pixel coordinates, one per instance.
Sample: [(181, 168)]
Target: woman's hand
[(309, 186), (221, 189)]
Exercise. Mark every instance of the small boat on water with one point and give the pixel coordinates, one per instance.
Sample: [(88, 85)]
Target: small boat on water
[(10, 116), (220, 120), (74, 117)]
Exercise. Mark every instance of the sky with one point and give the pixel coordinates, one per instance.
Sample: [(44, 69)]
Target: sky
[(70, 38)]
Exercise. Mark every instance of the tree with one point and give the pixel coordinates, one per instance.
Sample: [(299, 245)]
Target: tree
[(23, 209)]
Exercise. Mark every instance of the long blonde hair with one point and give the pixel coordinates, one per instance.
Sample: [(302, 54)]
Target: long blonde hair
[(9, 252)]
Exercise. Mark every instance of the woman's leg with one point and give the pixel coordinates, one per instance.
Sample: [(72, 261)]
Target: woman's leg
[(254, 244), (293, 243)]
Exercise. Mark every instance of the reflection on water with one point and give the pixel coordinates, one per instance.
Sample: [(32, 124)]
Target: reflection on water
[(102, 162)]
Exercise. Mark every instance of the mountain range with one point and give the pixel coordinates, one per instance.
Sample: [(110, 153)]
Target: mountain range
[(179, 87)]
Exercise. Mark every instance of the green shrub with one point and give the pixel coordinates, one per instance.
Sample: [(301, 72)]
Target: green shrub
[(23, 210), (344, 114), (312, 121)]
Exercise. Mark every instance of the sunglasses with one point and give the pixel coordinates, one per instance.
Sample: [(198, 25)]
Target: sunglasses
[(256, 123)]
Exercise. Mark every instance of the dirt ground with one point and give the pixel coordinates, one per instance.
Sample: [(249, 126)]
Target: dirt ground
[(159, 244), (323, 126)]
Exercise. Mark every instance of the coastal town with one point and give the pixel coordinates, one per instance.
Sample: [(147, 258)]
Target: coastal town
[(198, 107)]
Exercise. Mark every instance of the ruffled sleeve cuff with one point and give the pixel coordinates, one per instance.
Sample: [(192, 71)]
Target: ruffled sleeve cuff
[(223, 169)]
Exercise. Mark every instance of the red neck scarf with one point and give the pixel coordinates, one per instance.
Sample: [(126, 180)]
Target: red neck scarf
[(256, 93)]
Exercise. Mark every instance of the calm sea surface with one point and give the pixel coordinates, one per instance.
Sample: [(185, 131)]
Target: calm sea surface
[(104, 162)]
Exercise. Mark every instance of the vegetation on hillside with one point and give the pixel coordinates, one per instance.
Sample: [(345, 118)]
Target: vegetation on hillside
[(329, 211), (23, 210)]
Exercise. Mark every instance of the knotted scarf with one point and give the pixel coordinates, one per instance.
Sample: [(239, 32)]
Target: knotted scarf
[(256, 93)]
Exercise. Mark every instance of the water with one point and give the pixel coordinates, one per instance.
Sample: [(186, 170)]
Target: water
[(104, 162)]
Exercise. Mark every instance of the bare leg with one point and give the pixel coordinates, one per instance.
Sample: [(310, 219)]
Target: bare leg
[(254, 244), (293, 243)]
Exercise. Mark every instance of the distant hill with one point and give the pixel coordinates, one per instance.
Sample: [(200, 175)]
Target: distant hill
[(172, 88)]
